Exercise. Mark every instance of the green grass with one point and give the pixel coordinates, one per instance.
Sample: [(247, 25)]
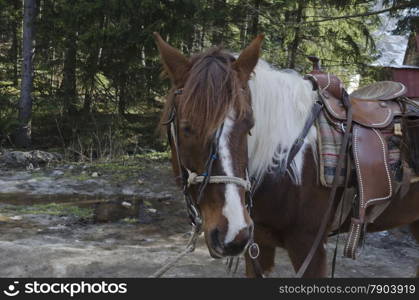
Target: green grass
[(118, 166), (38, 175), (130, 220), (53, 209), (155, 155), (117, 171)]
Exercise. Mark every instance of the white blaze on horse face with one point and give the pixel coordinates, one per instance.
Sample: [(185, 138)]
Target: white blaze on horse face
[(233, 208)]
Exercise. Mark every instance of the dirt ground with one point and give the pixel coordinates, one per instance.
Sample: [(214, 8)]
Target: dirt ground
[(37, 243)]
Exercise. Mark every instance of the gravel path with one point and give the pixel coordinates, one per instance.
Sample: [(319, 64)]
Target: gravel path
[(42, 245)]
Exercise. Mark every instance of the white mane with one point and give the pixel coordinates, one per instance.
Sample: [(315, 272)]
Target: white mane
[(281, 103)]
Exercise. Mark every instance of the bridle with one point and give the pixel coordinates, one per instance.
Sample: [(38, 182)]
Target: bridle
[(190, 178)]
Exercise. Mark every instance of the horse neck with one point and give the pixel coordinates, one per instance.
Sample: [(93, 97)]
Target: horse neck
[(281, 103)]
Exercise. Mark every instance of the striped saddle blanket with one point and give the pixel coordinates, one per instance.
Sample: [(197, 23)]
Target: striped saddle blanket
[(330, 135)]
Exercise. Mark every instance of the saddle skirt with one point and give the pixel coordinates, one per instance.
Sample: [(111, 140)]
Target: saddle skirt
[(330, 135)]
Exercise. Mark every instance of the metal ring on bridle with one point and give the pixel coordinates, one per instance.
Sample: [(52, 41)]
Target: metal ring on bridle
[(253, 247), (342, 127)]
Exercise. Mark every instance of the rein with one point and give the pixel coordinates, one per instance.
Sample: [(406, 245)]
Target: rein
[(332, 196), (299, 142)]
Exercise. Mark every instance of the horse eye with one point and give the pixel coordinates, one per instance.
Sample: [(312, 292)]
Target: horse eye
[(187, 130)]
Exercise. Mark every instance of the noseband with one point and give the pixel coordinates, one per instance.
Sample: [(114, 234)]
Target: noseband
[(190, 178)]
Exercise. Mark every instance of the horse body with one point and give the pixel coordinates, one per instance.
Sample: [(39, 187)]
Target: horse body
[(215, 101), (288, 210)]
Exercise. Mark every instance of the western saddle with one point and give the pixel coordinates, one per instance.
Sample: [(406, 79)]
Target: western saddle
[(373, 108)]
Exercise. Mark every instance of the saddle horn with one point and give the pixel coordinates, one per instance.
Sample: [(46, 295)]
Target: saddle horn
[(316, 62)]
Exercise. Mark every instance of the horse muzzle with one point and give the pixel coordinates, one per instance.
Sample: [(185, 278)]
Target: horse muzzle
[(218, 248)]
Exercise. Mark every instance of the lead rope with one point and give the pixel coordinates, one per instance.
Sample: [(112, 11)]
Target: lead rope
[(190, 247), (196, 228)]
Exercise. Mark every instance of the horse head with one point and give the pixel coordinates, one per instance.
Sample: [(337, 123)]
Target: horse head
[(209, 117)]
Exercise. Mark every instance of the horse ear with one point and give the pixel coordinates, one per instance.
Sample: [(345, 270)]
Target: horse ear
[(248, 59), (174, 62)]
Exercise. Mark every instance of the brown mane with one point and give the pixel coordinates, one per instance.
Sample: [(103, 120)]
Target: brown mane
[(211, 90)]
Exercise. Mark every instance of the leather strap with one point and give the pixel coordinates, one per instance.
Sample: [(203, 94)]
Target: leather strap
[(257, 269), (355, 232), (341, 212), (332, 196), (296, 147)]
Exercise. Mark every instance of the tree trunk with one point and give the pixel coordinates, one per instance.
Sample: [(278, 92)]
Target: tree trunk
[(14, 51), (89, 84), (219, 22), (244, 27), (14, 54), (68, 85), (122, 104), (93, 63), (23, 135), (292, 55), (255, 19)]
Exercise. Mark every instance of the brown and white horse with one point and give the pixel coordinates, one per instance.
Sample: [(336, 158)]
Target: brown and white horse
[(216, 96)]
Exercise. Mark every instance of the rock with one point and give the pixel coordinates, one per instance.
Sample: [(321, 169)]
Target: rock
[(144, 216), (95, 174), (128, 191), (57, 173), (4, 219), (28, 159), (114, 210), (43, 158), (16, 218), (57, 227), (126, 204), (16, 158), (147, 240)]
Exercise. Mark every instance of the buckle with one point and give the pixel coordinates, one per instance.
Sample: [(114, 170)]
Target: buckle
[(179, 91), (343, 127)]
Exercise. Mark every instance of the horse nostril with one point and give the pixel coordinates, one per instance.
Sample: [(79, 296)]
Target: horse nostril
[(247, 233), (239, 243), (216, 239), (234, 247)]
